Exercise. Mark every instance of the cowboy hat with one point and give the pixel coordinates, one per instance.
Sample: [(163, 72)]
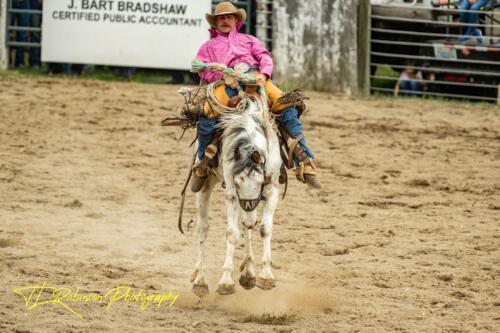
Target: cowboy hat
[(225, 8)]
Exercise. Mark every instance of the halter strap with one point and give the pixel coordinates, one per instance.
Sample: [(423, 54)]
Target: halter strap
[(250, 205)]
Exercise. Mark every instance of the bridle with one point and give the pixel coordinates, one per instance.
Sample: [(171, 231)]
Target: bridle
[(249, 205)]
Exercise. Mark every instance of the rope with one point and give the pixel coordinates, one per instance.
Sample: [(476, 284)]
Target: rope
[(218, 106), (197, 66)]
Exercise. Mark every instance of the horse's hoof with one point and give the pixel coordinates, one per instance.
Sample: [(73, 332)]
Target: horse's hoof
[(265, 284), (200, 290), (226, 289), (247, 281)]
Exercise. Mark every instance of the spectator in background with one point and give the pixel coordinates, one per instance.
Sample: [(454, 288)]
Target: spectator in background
[(471, 19), (20, 20), (411, 81)]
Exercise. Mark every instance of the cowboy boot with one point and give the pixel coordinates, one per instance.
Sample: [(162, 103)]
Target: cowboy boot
[(306, 170), (307, 173), (200, 175), (200, 170)]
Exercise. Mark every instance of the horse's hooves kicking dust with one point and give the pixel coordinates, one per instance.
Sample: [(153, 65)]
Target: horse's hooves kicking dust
[(200, 290), (247, 281), (226, 289), (265, 284)]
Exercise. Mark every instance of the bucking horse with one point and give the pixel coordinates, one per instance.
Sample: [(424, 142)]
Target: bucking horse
[(248, 165)]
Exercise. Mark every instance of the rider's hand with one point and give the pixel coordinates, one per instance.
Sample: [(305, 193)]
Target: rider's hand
[(230, 82), (261, 80)]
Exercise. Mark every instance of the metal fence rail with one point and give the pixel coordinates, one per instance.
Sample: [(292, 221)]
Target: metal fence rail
[(436, 53), (450, 24), (420, 33), (442, 70), (14, 39), (388, 42), (425, 93)]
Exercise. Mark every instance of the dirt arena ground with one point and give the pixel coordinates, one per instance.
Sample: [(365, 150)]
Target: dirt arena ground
[(404, 238)]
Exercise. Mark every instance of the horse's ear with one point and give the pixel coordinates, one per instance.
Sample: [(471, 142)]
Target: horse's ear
[(255, 157), (237, 154)]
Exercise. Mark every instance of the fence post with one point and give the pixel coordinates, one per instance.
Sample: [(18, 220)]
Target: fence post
[(498, 95), (364, 26), (4, 52)]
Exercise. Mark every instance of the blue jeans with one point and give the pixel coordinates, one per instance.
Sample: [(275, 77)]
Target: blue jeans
[(410, 87), (289, 120), (206, 130), (470, 18), (20, 20)]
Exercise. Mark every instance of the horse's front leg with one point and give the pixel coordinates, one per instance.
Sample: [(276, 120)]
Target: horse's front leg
[(265, 279), (200, 286), (247, 267), (226, 284)]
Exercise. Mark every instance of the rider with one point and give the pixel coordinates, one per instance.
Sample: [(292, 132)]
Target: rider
[(245, 54)]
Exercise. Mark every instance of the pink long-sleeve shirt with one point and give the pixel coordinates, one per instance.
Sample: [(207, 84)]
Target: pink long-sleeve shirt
[(233, 49)]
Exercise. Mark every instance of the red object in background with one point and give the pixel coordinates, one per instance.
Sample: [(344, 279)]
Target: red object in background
[(454, 78)]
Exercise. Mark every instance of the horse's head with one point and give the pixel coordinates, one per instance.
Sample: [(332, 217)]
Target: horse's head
[(244, 158)]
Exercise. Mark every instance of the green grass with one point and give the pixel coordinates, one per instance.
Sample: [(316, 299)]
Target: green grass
[(386, 71), (155, 76)]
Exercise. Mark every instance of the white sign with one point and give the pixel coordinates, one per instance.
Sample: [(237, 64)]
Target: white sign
[(156, 34), (445, 51)]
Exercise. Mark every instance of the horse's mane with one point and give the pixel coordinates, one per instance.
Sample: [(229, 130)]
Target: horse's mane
[(245, 131)]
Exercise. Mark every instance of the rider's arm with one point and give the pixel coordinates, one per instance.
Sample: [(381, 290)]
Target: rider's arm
[(204, 56), (263, 56)]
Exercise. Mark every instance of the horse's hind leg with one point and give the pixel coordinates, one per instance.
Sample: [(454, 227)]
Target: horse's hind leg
[(226, 284), (247, 267), (265, 279), (200, 286)]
